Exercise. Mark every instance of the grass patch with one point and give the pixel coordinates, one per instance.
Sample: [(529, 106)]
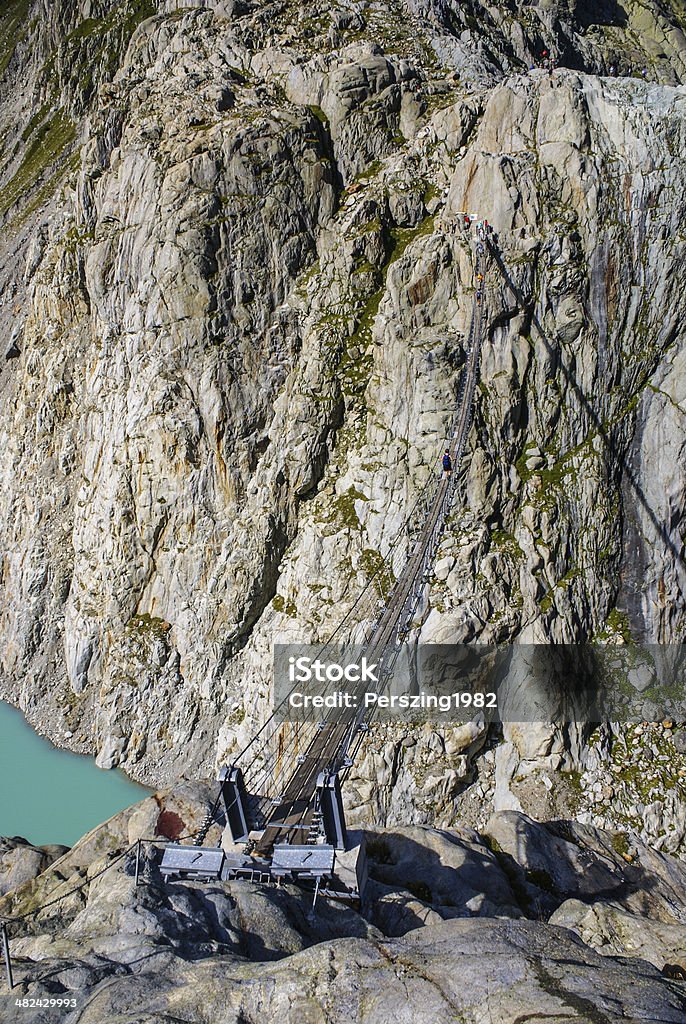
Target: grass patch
[(617, 623), (344, 506), (619, 843), (319, 114), (49, 143), (149, 625), (374, 567), (403, 236), (36, 121), (369, 172), (280, 604), (92, 52), (507, 543), (12, 29), (547, 601)]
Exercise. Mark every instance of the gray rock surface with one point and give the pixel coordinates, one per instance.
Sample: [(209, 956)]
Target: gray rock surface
[(20, 861), (553, 861), (444, 933), (615, 932), (465, 968), (234, 297), (451, 871)]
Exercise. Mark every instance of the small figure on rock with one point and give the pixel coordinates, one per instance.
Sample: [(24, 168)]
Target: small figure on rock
[(447, 464)]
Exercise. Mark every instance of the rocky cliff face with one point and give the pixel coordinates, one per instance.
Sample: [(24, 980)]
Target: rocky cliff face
[(235, 299), (545, 921)]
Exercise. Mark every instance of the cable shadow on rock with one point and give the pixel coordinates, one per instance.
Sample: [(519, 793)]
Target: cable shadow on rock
[(609, 445)]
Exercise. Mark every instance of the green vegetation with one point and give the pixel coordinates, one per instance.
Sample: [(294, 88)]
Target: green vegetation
[(355, 371), (280, 604), (403, 236), (344, 506), (373, 565), (36, 121), (558, 469), (356, 363), (149, 625), (48, 188), (637, 781), (369, 172), (431, 191), (620, 843), (131, 13), (12, 29), (507, 543), (320, 115), (616, 624), (49, 143), (92, 50), (433, 102), (85, 29), (573, 779), (236, 716), (547, 601), (74, 238), (371, 226)]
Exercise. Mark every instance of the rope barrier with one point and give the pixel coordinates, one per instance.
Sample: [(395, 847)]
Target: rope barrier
[(6, 920)]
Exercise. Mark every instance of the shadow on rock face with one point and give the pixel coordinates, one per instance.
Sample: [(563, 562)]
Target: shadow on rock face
[(548, 863), (422, 876), (600, 12)]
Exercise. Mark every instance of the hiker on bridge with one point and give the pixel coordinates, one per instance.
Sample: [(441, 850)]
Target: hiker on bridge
[(447, 464)]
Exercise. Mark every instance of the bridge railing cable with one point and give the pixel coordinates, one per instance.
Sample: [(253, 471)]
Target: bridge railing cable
[(280, 752)]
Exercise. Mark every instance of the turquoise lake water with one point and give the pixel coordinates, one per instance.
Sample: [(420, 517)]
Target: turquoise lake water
[(49, 795)]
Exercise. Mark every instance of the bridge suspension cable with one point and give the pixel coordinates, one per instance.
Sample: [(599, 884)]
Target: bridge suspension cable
[(283, 761)]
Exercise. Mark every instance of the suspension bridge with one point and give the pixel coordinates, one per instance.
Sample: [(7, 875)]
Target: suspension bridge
[(281, 798)]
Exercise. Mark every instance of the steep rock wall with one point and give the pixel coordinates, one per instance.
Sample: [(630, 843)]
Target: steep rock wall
[(235, 304)]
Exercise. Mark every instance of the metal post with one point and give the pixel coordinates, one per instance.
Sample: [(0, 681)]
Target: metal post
[(8, 958), (312, 916), (138, 860)]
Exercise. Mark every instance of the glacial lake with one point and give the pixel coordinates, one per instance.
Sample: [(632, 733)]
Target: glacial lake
[(49, 795)]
